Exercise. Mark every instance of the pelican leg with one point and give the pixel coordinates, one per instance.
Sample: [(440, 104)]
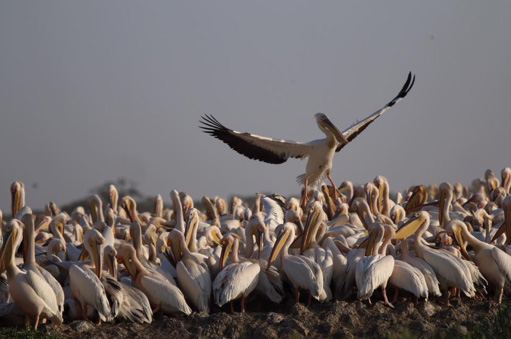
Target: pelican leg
[(84, 312), (297, 295), (232, 306), (242, 304), (498, 296), (27, 319), (156, 309), (309, 300), (385, 298), (36, 321), (447, 298), (304, 200), (396, 294), (336, 191)]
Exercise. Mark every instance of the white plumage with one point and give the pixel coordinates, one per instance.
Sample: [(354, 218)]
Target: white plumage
[(235, 281)]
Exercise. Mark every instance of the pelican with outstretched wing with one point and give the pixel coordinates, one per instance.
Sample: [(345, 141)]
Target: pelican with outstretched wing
[(320, 152)]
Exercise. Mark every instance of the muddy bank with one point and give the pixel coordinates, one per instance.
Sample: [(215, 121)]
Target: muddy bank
[(290, 320)]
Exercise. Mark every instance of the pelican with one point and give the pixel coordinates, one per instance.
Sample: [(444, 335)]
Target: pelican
[(18, 206), (494, 264), (303, 272), (427, 271), (450, 271), (133, 304), (192, 272), (310, 248), (374, 269), (30, 262), (160, 292), (320, 152), (28, 289), (87, 286), (236, 280)]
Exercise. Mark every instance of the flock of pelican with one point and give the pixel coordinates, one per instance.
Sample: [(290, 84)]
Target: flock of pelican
[(107, 261)]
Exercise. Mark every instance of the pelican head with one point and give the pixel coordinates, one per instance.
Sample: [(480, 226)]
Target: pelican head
[(418, 198), (13, 234), (327, 127), (506, 179), (158, 206), (113, 197), (506, 227), (286, 232), (93, 241), (456, 227), (125, 255), (186, 201), (110, 254), (445, 200), (256, 227), (17, 197), (412, 225), (175, 242), (314, 218), (192, 222), (227, 243), (129, 205)]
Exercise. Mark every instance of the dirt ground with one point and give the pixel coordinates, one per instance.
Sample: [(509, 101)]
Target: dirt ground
[(289, 320)]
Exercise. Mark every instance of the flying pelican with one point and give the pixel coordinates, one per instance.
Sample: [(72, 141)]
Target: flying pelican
[(320, 152)]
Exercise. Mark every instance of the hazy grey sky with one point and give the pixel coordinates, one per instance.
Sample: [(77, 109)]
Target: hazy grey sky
[(92, 91)]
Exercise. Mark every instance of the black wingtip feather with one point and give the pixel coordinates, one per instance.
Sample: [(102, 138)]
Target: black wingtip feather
[(410, 80), (211, 126)]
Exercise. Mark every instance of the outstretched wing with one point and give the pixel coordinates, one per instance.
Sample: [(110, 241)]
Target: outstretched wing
[(254, 146), (354, 130)]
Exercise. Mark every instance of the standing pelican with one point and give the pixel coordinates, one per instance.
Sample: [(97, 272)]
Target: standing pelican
[(236, 280), (160, 292), (192, 272), (494, 264), (375, 269), (320, 152), (29, 290), (30, 262), (450, 271), (303, 272), (87, 286)]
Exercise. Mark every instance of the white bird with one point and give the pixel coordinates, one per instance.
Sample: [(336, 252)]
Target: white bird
[(427, 271), (160, 292), (320, 152), (87, 286), (192, 272), (30, 262), (236, 280), (303, 272), (494, 264), (375, 269), (31, 292), (450, 271)]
